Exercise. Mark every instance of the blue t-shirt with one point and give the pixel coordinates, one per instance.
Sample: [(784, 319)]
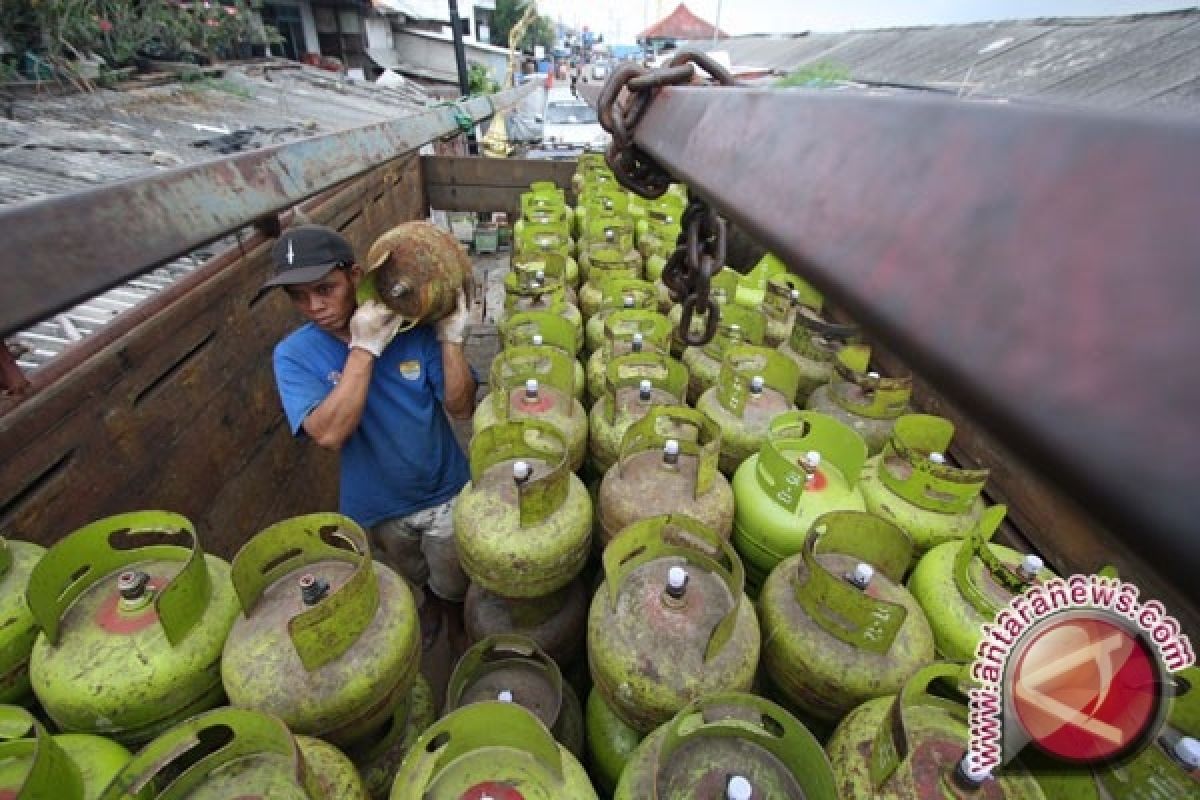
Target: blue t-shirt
[(403, 456)]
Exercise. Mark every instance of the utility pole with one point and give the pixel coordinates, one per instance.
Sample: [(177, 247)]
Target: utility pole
[(460, 57), (717, 24)]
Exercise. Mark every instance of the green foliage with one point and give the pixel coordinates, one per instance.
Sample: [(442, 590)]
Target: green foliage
[(508, 13), (197, 81), (821, 73), (479, 80)]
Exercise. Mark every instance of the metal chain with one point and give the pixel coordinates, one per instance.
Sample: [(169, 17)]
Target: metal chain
[(700, 250)]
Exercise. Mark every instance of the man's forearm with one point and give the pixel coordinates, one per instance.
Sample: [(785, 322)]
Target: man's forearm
[(459, 382), (332, 422)]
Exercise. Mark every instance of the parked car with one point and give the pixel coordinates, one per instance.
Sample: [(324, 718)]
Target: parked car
[(568, 120)]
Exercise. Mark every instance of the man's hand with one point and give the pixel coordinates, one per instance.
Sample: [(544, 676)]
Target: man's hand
[(453, 327), (373, 326)]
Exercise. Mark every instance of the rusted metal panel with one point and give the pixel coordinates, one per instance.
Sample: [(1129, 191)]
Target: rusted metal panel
[(1037, 266), (62, 249), (479, 171)]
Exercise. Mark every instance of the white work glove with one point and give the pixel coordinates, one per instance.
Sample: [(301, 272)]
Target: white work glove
[(453, 327), (373, 326)]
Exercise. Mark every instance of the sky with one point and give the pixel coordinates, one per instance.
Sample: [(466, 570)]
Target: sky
[(621, 20)]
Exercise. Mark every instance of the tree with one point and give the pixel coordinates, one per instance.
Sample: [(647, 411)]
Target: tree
[(508, 13)]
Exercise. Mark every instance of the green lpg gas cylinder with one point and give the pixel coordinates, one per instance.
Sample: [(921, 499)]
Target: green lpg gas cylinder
[(963, 585), (143, 621), (911, 484), (70, 766), (378, 757), (603, 198), (913, 747), (756, 385), (632, 331), (610, 742), (545, 329), (537, 384), (729, 746), (544, 231), (812, 344), (511, 668), (19, 630), (808, 465), (523, 292), (785, 295), (606, 264), (609, 233), (667, 465), (738, 326), (556, 622), (866, 401), (523, 523), (495, 749), (636, 382), (1185, 701), (839, 625), (658, 231), (670, 623), (553, 265), (328, 640), (1167, 767), (722, 288), (237, 753), (617, 294)]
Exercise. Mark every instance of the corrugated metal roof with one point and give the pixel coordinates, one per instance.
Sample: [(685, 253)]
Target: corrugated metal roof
[(55, 145), (1147, 62)]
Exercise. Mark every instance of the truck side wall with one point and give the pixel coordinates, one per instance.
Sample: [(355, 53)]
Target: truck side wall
[(179, 411)]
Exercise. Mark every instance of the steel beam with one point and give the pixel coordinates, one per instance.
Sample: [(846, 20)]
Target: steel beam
[(1040, 267), (60, 250)]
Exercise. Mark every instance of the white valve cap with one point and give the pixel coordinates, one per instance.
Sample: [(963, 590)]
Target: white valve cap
[(537, 340), (671, 447), (638, 338), (540, 275), (628, 301), (862, 575), (521, 470), (504, 696), (1187, 750), (794, 294), (531, 386), (756, 383), (645, 386), (735, 328), (937, 458), (874, 375), (812, 459), (738, 788), (974, 774), (535, 285), (1031, 565), (677, 578)]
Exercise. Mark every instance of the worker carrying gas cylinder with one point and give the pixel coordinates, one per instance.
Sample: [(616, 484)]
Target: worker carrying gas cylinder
[(369, 382)]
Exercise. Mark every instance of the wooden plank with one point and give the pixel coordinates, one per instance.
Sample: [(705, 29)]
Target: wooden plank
[(496, 172), (445, 197)]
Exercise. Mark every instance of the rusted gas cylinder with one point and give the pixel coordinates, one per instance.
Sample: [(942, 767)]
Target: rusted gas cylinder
[(545, 329), (812, 344), (636, 382), (617, 294), (494, 749), (808, 465), (70, 766), (133, 603), (606, 264), (911, 483), (963, 584), (523, 523), (524, 292), (511, 668), (555, 622), (535, 383), (862, 399), (237, 753), (722, 289), (19, 631), (667, 465), (911, 746), (840, 627), (625, 332), (784, 296), (670, 622), (738, 326), (328, 640), (1168, 766), (378, 756), (416, 269), (729, 746), (756, 385), (610, 742)]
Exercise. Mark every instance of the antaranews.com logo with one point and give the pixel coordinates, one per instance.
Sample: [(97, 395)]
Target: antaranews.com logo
[(1078, 668)]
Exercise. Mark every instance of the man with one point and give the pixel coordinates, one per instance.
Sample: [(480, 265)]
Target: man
[(352, 384)]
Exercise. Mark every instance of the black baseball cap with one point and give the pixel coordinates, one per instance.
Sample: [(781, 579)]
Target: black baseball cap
[(307, 253)]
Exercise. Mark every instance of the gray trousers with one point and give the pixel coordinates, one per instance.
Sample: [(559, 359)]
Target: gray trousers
[(421, 548)]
